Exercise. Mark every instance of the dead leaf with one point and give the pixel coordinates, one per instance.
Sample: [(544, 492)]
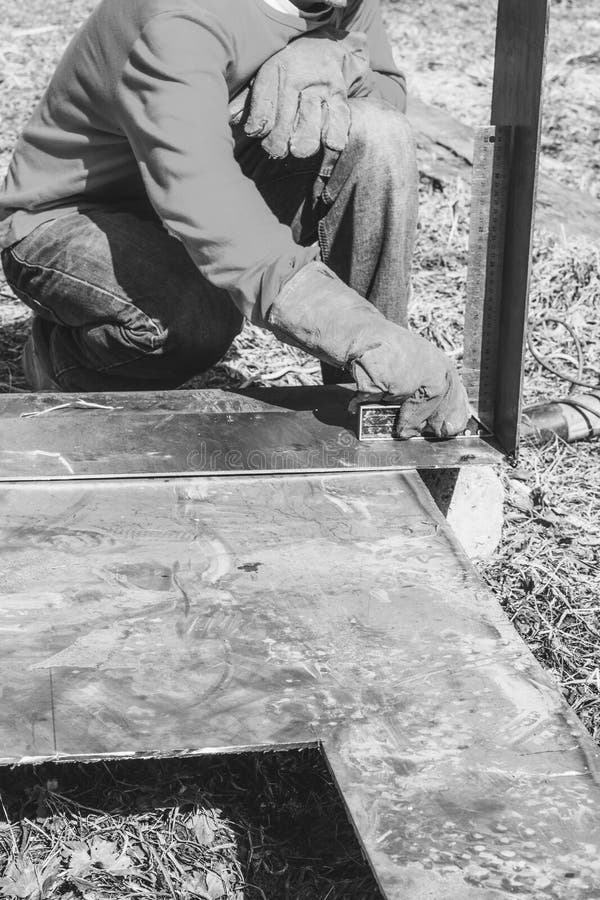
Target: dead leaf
[(80, 861), (209, 886), (214, 886), (23, 879), (196, 886), (204, 828), (100, 854), (105, 855)]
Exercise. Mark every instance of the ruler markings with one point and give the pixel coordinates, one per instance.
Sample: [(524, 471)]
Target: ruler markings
[(489, 197)]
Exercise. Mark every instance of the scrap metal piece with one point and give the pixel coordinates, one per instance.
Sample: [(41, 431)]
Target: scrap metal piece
[(572, 418)]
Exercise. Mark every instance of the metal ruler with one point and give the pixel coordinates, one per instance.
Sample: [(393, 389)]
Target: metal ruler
[(489, 201)]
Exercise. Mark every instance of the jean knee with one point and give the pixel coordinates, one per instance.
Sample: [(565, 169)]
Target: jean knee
[(114, 344), (382, 138)]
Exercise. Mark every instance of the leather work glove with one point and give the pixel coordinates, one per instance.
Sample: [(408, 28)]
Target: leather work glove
[(389, 363), (299, 99)]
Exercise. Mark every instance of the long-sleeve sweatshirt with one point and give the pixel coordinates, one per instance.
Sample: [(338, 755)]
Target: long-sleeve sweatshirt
[(137, 112)]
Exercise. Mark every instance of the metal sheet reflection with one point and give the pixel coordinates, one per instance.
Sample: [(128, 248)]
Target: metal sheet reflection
[(239, 612), (216, 432)]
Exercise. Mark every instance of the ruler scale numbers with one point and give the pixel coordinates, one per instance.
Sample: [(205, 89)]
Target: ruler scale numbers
[(489, 199)]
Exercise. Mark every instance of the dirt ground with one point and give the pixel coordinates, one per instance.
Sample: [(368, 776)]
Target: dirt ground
[(546, 573)]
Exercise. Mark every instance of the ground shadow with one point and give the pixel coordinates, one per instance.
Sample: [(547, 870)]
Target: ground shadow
[(293, 839)]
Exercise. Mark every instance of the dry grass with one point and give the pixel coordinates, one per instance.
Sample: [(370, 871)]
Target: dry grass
[(546, 572), (452, 67)]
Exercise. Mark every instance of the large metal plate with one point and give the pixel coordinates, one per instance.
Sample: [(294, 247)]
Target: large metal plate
[(217, 432), (213, 614)]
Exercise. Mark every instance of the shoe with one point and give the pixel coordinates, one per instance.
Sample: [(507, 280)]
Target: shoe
[(36, 358)]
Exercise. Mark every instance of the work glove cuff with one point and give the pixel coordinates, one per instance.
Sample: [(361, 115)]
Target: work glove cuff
[(356, 60), (319, 313), (316, 311)]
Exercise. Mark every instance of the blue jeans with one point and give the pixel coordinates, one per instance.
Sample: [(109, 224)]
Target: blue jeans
[(127, 308)]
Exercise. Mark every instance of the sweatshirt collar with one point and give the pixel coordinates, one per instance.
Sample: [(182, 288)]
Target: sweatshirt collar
[(302, 17)]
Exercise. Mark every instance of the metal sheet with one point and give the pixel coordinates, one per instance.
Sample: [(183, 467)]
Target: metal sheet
[(213, 432), (219, 613)]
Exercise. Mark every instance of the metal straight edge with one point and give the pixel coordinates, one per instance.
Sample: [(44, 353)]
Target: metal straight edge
[(175, 753), (130, 442), (521, 39), (470, 452)]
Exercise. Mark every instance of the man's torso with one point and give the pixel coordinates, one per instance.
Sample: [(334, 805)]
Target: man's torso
[(73, 153)]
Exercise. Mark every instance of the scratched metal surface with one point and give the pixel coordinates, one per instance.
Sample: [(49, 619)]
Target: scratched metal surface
[(190, 432), (249, 612)]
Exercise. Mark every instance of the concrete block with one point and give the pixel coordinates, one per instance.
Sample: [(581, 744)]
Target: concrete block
[(471, 499)]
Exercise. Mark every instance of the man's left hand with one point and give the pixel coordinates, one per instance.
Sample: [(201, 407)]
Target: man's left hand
[(299, 99)]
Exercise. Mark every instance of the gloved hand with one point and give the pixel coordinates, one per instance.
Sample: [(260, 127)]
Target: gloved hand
[(299, 99), (318, 312), (437, 403)]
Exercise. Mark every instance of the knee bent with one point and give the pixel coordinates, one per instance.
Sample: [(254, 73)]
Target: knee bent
[(382, 135), (180, 349)]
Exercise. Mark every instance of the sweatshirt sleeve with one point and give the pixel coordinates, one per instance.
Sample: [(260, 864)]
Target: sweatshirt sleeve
[(172, 104), (385, 80)]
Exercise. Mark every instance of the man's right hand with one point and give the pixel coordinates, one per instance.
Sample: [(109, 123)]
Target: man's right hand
[(390, 364), (406, 369)]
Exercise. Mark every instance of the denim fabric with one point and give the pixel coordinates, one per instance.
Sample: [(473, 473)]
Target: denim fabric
[(129, 307), (130, 311)]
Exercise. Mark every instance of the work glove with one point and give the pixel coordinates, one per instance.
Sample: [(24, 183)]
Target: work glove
[(299, 98), (389, 363)]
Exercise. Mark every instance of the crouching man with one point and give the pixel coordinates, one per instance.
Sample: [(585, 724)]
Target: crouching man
[(141, 219)]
